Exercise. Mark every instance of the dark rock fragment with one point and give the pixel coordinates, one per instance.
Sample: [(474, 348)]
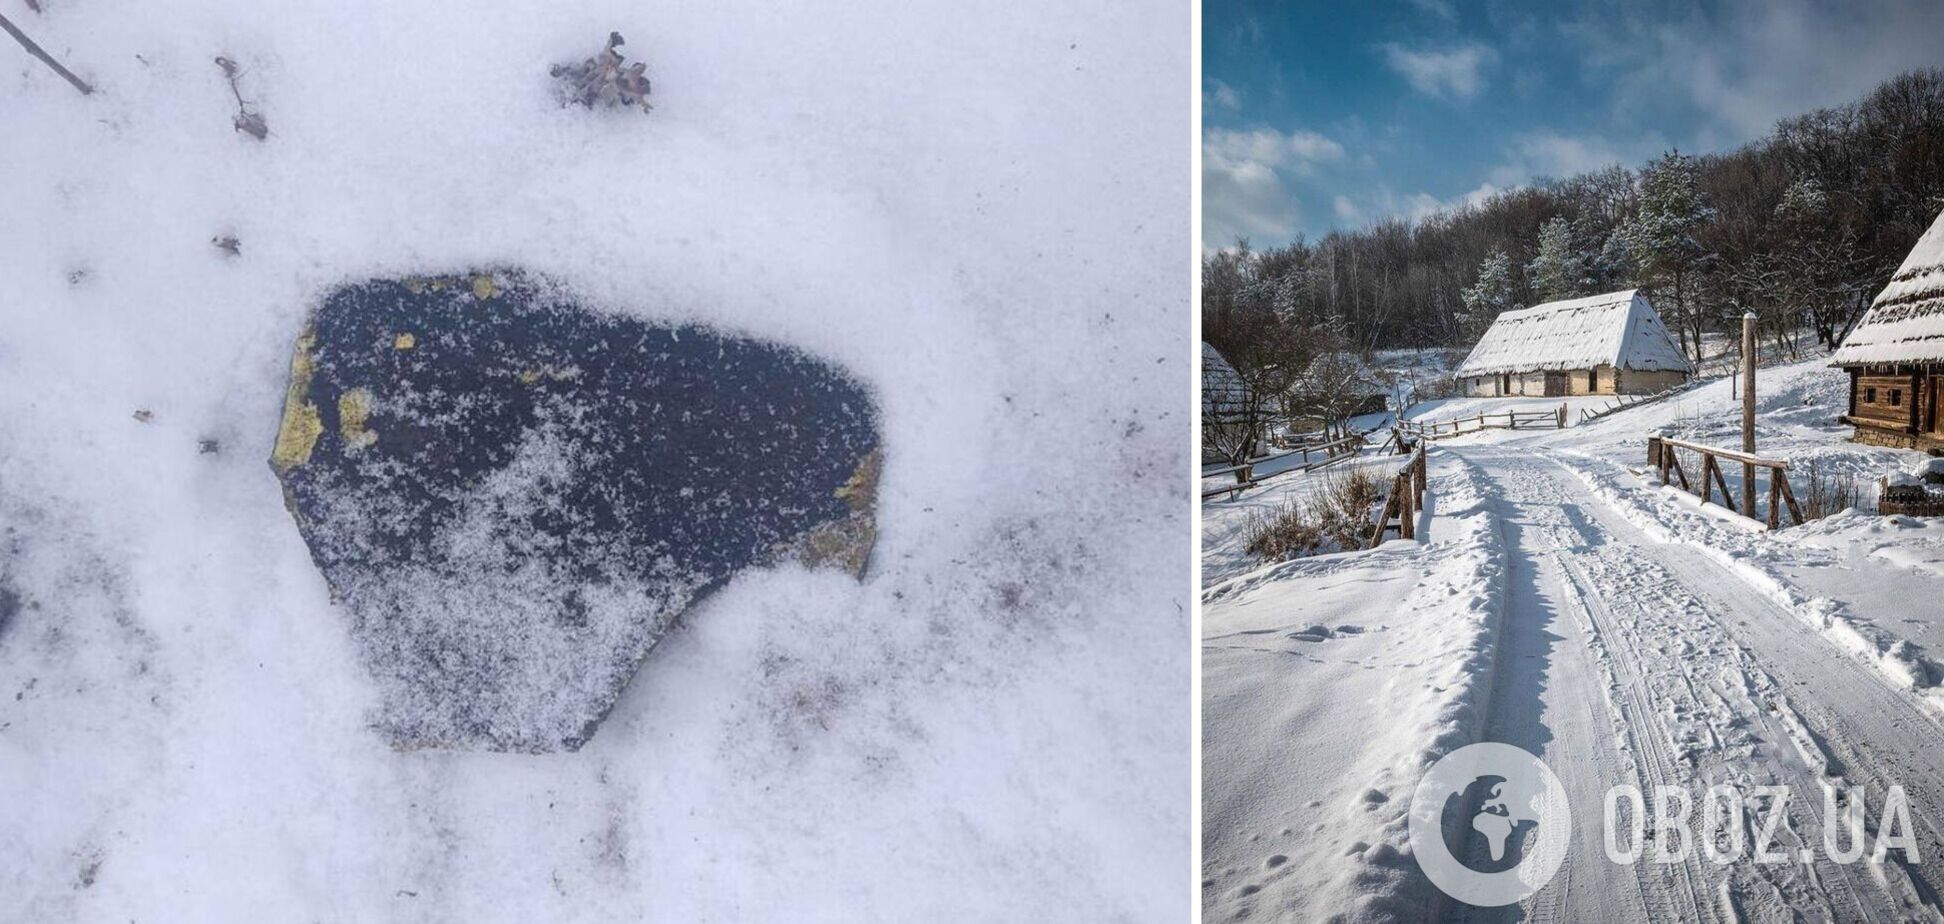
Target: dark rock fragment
[(513, 496)]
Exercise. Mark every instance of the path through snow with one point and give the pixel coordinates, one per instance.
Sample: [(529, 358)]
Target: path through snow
[(1550, 606), (1629, 661)]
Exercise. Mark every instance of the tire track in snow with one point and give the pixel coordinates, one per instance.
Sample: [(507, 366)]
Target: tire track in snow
[(1692, 708), (1868, 731)]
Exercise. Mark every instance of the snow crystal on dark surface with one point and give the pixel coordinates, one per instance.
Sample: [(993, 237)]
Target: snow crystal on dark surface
[(514, 496)]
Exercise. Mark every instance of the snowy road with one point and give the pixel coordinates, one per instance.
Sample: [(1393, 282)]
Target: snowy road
[(1628, 661)]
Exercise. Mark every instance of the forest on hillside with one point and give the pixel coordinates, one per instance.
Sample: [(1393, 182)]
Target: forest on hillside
[(1802, 226)]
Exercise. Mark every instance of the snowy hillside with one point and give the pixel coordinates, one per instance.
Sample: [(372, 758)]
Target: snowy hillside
[(976, 211), (1559, 600)]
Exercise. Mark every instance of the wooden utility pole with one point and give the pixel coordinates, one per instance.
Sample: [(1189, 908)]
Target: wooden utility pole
[(1748, 410)]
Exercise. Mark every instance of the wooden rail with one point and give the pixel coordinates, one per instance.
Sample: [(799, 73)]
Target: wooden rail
[(1405, 500), (1513, 420), (1622, 402), (1661, 454), (1333, 451)]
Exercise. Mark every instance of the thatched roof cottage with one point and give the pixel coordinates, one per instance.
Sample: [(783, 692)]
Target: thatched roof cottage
[(1895, 356), (1597, 345)]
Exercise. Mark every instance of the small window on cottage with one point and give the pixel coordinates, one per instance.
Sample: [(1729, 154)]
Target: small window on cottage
[(1869, 395), (1896, 397)]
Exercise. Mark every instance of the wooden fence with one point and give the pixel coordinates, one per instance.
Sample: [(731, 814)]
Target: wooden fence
[(1663, 453), (1324, 454), (1405, 500), (1503, 420), (1622, 402)]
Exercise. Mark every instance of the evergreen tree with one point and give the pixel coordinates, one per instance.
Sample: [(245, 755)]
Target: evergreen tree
[(1664, 238), (1491, 295), (1558, 271)]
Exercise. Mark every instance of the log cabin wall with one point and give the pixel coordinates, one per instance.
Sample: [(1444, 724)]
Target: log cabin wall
[(1894, 405)]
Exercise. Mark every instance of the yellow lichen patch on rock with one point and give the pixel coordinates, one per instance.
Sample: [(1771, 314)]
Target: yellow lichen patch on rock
[(843, 544), (404, 341), (484, 288), (860, 492), (550, 373), (354, 409), (301, 426)]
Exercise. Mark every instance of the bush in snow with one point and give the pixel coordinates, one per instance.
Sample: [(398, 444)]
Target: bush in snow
[(1335, 517), (1824, 492)]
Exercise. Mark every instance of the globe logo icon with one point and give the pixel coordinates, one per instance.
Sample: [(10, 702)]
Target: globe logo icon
[(1489, 824)]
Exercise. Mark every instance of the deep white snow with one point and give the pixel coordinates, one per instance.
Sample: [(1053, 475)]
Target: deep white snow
[(1561, 600), (976, 209)]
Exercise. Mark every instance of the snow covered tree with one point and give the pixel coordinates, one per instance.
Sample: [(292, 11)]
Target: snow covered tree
[(1490, 295), (1614, 266), (1664, 238), (1558, 271), (1815, 274)]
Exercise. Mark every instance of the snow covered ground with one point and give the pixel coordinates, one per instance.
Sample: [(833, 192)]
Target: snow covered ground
[(976, 209), (1615, 628)]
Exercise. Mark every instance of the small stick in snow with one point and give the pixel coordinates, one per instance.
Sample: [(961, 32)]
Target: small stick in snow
[(46, 58), (228, 244), (248, 122)]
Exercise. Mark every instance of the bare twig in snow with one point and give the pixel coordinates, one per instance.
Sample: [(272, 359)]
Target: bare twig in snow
[(47, 59), (246, 121), (604, 79), (228, 244)]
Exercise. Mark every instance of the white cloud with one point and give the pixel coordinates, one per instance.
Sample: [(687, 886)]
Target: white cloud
[(1243, 194), (1442, 9), (1295, 150), (1219, 95), (1385, 202), (1455, 73), (1347, 212), (1753, 62), (1550, 154)]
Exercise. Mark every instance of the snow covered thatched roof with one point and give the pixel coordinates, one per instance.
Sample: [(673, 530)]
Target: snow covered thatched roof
[(1618, 329), (1906, 322), (1223, 393)]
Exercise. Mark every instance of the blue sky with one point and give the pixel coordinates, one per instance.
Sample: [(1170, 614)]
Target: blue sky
[(1322, 115)]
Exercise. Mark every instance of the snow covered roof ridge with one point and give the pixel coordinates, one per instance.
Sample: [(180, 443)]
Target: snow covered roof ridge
[(1619, 329), (1906, 322), (1223, 391)]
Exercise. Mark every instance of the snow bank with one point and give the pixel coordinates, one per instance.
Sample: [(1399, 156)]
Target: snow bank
[(1316, 828), (975, 209), (1669, 515)]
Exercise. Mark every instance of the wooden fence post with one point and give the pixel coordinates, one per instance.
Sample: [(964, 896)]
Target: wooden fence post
[(1407, 518), (1795, 510)]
